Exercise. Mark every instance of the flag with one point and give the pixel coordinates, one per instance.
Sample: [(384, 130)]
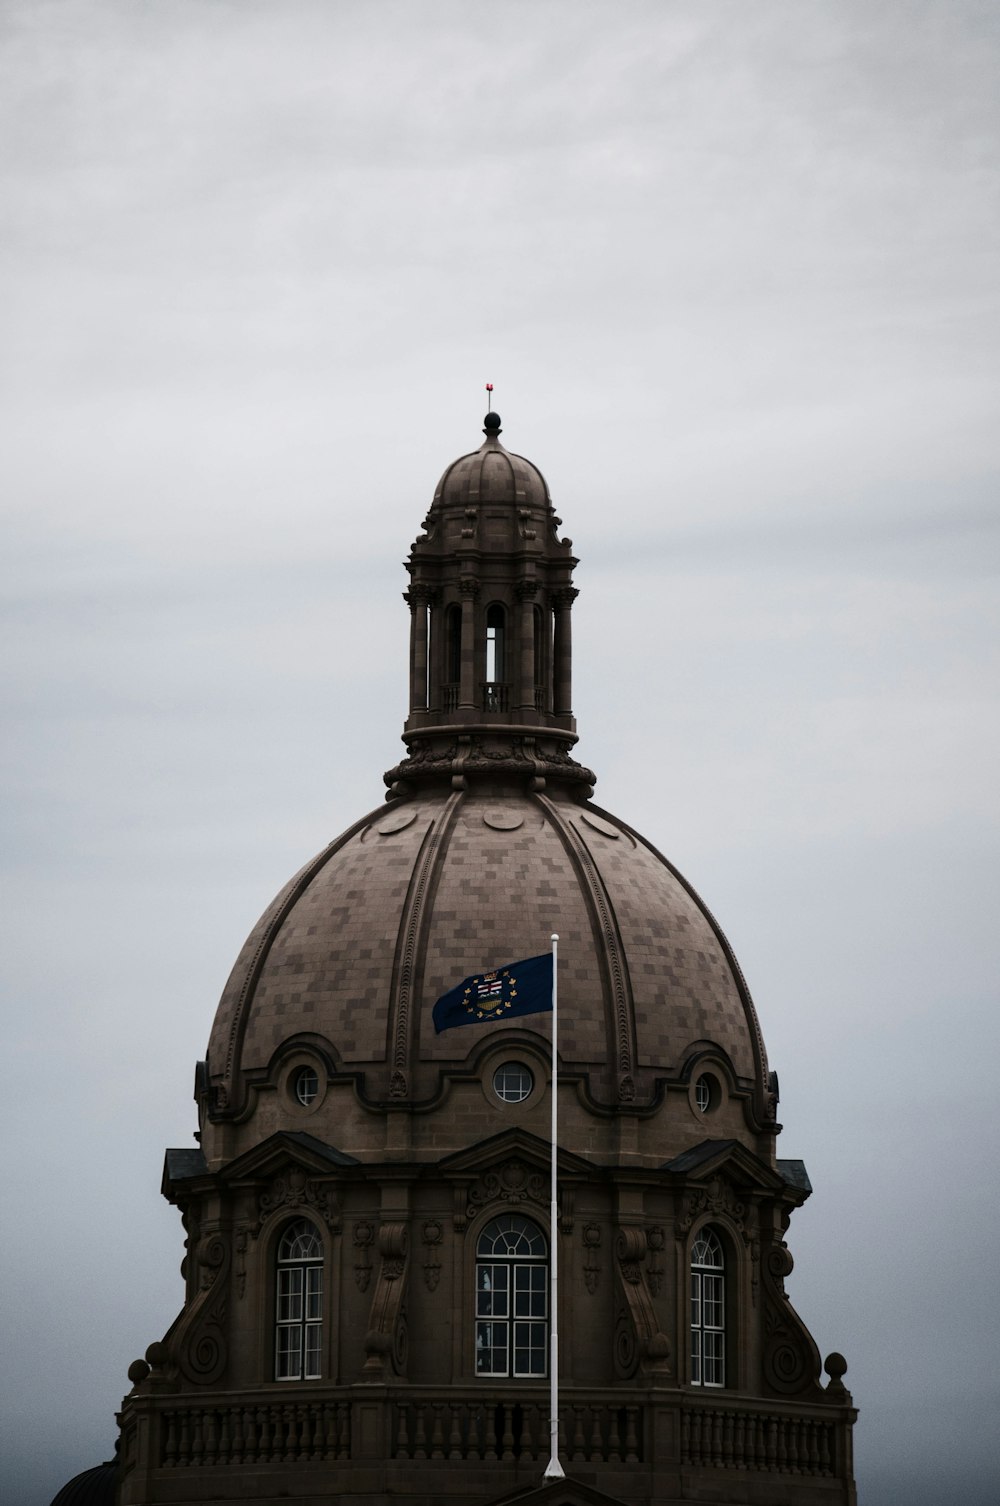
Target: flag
[(501, 994)]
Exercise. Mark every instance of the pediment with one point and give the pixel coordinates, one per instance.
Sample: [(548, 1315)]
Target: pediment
[(730, 1159), (287, 1148), (557, 1493), (516, 1145)]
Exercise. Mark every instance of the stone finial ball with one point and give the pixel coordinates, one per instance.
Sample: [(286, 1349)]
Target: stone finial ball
[(835, 1366), (492, 421), (137, 1372)]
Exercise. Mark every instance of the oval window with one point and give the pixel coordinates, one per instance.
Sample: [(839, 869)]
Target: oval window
[(305, 1086), (513, 1082)]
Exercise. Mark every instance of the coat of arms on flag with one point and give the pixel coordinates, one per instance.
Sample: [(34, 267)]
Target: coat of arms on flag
[(502, 993)]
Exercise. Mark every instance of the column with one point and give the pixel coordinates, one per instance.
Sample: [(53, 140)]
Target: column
[(562, 601), (526, 590), (419, 599), (469, 589)]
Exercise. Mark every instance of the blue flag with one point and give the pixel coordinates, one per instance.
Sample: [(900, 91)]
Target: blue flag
[(502, 994)]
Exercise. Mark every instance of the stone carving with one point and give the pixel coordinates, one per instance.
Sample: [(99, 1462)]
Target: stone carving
[(364, 1236), (513, 1183), (385, 1341), (717, 1196), (655, 1242), (791, 1359), (518, 756), (591, 1256), (296, 1189), (199, 1343), (420, 593), (241, 1245), (432, 1234), (652, 1347)]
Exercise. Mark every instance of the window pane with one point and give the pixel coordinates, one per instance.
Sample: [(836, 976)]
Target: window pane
[(713, 1359), (491, 1348), (290, 1295), (314, 1293), (312, 1369), (289, 1353), (712, 1297), (529, 1348)]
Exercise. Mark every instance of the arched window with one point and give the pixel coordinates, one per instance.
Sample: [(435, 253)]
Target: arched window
[(708, 1311), (298, 1338), (495, 618), (512, 1298)]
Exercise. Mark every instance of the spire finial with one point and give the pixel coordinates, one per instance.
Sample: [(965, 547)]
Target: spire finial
[(491, 423)]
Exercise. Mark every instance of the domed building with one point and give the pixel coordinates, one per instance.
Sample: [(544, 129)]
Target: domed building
[(367, 1315)]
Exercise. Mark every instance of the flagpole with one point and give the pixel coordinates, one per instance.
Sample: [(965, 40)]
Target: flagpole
[(554, 1470)]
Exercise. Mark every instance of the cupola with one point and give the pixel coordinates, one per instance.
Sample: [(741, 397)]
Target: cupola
[(491, 655)]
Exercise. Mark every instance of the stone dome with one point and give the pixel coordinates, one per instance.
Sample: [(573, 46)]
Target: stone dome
[(491, 474), (93, 1487), (355, 950)]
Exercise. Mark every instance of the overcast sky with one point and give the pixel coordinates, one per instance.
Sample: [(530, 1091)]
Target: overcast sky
[(733, 269)]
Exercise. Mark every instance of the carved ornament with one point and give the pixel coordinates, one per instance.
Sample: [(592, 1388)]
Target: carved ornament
[(591, 1256), (298, 1190), (513, 1183), (432, 1235), (716, 1197), (363, 1238), (651, 1347)]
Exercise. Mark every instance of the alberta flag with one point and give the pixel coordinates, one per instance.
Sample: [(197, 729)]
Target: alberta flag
[(502, 994)]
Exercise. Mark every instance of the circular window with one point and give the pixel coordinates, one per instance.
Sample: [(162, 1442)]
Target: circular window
[(512, 1082), (305, 1085), (703, 1094)]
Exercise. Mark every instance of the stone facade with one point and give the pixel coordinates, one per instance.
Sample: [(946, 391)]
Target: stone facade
[(367, 1211)]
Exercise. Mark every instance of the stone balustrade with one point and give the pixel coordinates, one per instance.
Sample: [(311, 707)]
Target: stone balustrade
[(728, 1437), (503, 1425)]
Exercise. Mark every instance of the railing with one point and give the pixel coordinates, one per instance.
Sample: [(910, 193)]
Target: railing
[(274, 1433), (451, 694), (541, 697), (496, 695), (505, 1426), (734, 1438), (596, 1430)]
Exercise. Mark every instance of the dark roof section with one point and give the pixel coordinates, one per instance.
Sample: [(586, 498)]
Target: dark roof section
[(320, 1148), (183, 1164), (795, 1174), (691, 1160), (567, 1492), (94, 1487)]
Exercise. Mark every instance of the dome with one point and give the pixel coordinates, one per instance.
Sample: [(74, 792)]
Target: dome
[(354, 951), (491, 474), (93, 1487)]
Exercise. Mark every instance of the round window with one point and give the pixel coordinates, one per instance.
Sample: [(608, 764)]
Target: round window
[(305, 1085), (703, 1094), (512, 1082)]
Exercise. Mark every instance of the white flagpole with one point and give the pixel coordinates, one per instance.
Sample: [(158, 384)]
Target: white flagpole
[(554, 1470)]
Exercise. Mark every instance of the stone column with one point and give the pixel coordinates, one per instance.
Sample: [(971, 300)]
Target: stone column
[(469, 588), (562, 601), (419, 597), (526, 590)]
